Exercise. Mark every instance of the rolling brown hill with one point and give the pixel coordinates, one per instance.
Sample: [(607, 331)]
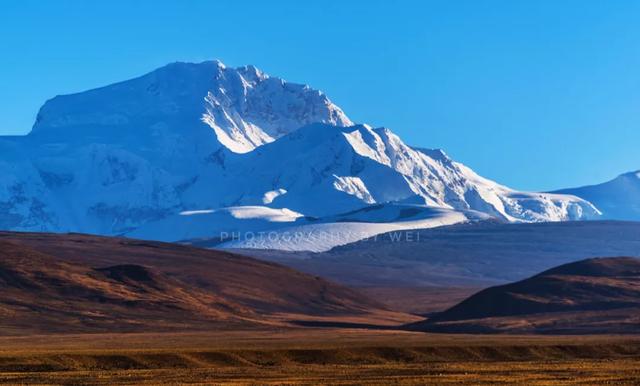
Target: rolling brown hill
[(80, 283), (600, 295)]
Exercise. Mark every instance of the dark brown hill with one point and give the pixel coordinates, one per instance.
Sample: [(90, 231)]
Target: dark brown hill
[(68, 283), (600, 295)]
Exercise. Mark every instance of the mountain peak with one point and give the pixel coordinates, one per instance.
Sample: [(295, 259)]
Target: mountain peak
[(203, 136), (633, 175), (252, 73), (219, 64), (616, 199), (244, 107)]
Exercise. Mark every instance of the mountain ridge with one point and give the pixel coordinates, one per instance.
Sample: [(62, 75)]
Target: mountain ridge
[(198, 138), (617, 199)]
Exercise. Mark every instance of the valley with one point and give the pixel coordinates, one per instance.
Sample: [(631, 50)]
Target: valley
[(97, 310), (473, 255)]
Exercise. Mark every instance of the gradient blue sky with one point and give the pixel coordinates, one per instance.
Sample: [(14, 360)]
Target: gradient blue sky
[(535, 94)]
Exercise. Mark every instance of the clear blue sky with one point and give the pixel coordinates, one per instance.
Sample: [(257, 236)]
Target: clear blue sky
[(535, 94)]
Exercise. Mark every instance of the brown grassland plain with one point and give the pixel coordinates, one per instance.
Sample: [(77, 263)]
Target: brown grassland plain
[(318, 356), (78, 309)]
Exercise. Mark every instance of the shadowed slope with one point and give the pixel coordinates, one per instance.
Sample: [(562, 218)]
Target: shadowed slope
[(85, 283), (41, 293), (595, 295), (467, 255)]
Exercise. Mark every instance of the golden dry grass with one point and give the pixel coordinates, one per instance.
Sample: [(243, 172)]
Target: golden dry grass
[(318, 356), (617, 372)]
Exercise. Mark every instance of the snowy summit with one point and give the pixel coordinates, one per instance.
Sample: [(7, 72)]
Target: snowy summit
[(192, 150)]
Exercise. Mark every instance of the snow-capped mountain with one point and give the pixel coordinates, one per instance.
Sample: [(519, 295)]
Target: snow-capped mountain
[(328, 169), (195, 147), (243, 107), (617, 199), (107, 160)]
